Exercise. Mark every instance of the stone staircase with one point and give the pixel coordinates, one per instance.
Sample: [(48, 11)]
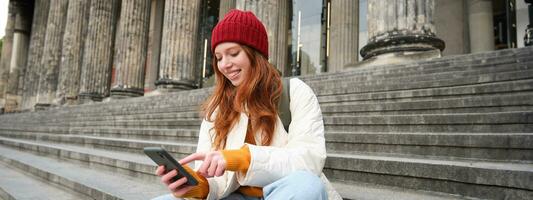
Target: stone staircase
[(459, 127)]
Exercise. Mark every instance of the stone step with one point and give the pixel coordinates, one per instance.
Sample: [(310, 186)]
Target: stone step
[(185, 135), (493, 146), (366, 191), (432, 93), (414, 70), (166, 123), (182, 99), (415, 75), (187, 111), (136, 164), (83, 178), (408, 84), (33, 129), (487, 103), (65, 115), (104, 143), (503, 122), (478, 179), (146, 115), (19, 185), (461, 61), (455, 122), (347, 122)]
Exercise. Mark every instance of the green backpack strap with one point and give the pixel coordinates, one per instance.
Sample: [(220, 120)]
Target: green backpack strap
[(284, 109)]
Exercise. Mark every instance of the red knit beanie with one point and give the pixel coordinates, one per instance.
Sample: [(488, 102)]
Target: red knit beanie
[(241, 27)]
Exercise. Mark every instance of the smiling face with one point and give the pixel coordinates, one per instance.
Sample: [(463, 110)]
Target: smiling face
[(232, 62)]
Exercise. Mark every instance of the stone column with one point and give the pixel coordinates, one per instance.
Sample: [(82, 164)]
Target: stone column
[(7, 47), (451, 23), (528, 38), (154, 45), (52, 53), (33, 66), (269, 12), (130, 57), (343, 34), (73, 40), (21, 39), (400, 26), (98, 51), (178, 45), (480, 25), (225, 6), (283, 37)]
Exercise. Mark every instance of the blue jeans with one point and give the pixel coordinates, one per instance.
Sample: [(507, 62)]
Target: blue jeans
[(297, 185)]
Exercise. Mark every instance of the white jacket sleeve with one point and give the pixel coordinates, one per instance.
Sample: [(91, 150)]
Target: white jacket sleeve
[(305, 148), (204, 145)]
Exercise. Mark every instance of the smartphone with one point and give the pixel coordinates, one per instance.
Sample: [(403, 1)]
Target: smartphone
[(162, 157)]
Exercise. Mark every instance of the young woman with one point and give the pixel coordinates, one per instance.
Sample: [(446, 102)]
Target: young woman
[(243, 150)]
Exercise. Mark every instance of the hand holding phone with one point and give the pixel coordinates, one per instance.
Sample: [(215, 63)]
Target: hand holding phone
[(162, 157)]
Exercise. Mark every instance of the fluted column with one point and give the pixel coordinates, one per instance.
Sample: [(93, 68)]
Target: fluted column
[(268, 11), (344, 32), (283, 36), (400, 26), (33, 64), (130, 57), (98, 51), (178, 45), (154, 45), (225, 7), (52, 53), (21, 39), (7, 46), (73, 40)]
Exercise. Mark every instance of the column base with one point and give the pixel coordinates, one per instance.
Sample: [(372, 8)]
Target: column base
[(175, 85), (401, 43), (71, 100), (12, 103), (89, 98), (61, 101), (396, 58), (122, 93), (42, 106)]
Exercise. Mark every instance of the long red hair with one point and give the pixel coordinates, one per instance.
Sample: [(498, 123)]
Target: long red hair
[(258, 95)]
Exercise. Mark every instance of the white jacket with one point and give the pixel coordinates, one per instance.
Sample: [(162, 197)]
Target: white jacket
[(303, 149)]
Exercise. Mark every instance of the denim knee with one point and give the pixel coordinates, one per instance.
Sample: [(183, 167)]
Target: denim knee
[(297, 185)]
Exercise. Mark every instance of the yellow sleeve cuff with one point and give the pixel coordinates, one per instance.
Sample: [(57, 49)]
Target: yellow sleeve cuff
[(237, 160), (199, 191)]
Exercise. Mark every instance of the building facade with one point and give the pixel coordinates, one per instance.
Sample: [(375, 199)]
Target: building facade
[(63, 52)]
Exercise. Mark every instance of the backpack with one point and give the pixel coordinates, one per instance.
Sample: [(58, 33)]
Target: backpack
[(284, 110)]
